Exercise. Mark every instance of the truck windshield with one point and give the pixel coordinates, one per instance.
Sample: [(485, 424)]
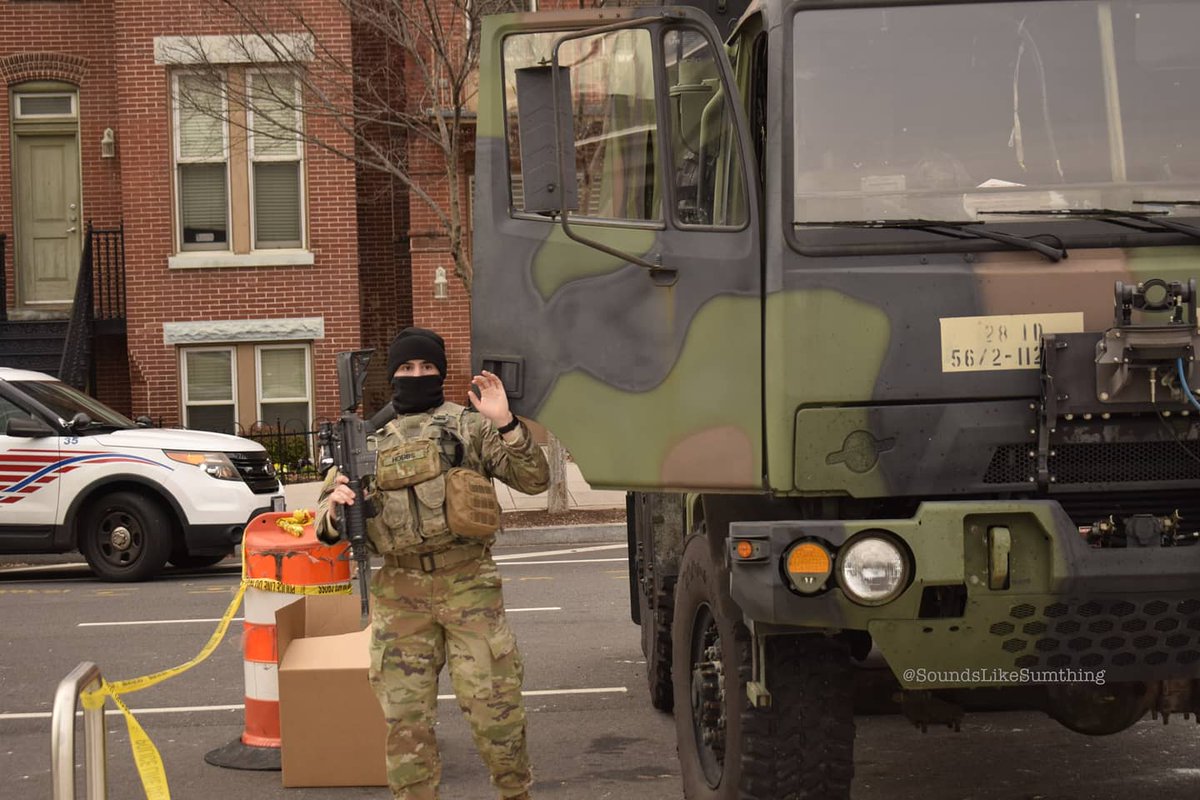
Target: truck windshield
[(946, 111), (66, 402)]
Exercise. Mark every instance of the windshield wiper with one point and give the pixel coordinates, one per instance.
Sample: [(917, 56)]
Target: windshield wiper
[(1112, 216), (955, 229), (94, 425)]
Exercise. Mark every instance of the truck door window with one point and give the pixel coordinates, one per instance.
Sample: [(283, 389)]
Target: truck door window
[(616, 130), (706, 163)]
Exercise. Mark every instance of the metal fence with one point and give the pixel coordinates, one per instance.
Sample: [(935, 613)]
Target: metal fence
[(292, 450), (108, 257), (3, 281)]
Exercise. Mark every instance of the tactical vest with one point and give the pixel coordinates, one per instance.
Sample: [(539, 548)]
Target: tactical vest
[(412, 519)]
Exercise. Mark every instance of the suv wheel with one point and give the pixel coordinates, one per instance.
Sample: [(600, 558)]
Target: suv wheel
[(125, 537)]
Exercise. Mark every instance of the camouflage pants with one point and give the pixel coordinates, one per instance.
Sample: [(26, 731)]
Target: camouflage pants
[(420, 622)]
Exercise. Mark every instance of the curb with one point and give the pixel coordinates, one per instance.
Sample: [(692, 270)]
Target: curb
[(563, 534)]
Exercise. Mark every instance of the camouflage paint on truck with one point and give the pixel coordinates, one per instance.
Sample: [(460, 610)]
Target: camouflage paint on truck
[(776, 367)]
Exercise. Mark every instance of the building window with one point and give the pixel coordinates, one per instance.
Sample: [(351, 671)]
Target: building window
[(284, 389), (45, 106), (248, 388), (210, 389), (275, 160), (239, 155), (201, 162)]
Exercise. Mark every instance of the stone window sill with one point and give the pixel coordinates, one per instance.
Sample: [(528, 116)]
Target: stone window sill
[(265, 258)]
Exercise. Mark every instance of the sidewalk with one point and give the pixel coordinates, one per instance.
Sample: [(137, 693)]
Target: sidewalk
[(580, 495)]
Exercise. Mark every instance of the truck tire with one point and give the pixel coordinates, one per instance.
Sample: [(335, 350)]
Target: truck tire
[(656, 642), (125, 536), (801, 747)]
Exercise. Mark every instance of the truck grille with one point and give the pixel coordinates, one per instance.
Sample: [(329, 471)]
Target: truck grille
[(256, 470), (1100, 462), (1158, 635)]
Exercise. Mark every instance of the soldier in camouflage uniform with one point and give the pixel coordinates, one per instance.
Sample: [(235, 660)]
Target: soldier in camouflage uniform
[(437, 598)]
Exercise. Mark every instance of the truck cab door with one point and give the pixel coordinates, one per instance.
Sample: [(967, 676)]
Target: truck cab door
[(633, 333), (29, 486)]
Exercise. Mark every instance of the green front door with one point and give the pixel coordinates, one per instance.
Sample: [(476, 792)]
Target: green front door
[(47, 219)]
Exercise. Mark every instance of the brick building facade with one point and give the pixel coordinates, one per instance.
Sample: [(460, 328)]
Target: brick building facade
[(246, 264)]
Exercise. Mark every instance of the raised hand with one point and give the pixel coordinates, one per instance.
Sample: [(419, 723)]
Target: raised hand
[(492, 402)]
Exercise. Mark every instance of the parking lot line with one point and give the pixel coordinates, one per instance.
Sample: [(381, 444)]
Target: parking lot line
[(562, 561), (238, 706), (150, 622), (567, 552), (236, 619)]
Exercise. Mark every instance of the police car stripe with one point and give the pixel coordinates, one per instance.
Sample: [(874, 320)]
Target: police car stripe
[(48, 472)]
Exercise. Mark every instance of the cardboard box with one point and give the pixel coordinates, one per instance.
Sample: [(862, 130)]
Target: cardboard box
[(330, 721)]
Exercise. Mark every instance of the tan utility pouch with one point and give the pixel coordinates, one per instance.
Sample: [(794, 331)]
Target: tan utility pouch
[(472, 510), (410, 462)]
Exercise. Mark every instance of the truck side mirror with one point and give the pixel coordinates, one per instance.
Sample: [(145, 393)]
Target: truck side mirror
[(540, 149), (28, 428)]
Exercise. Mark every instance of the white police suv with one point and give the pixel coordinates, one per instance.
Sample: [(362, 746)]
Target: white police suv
[(74, 474)]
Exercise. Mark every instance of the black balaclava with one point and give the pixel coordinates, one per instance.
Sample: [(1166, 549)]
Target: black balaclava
[(420, 393)]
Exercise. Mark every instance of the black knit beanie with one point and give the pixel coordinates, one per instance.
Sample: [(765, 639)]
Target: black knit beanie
[(420, 343)]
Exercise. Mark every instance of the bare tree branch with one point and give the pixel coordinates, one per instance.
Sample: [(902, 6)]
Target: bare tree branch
[(415, 86)]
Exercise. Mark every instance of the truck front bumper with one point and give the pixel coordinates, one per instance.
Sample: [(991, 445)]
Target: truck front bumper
[(1130, 614)]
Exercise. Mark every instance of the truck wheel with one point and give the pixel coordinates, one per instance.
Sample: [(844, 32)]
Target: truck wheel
[(125, 537), (801, 747), (656, 642)]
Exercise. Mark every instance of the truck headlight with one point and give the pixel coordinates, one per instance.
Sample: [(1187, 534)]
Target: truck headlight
[(217, 465), (872, 570)]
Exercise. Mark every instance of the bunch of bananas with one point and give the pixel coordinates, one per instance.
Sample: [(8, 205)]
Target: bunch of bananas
[(296, 522)]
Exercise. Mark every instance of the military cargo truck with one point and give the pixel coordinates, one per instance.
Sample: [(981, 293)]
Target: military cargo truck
[(885, 314)]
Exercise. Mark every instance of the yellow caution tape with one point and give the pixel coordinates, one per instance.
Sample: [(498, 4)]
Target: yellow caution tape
[(271, 585), (296, 522), (145, 755)]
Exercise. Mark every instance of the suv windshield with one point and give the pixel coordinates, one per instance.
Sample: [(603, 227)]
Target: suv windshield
[(941, 112), (66, 402)]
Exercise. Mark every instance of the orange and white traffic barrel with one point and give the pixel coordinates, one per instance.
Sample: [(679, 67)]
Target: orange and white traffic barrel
[(277, 567)]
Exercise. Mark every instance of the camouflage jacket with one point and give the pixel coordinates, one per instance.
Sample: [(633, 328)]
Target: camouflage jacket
[(413, 519)]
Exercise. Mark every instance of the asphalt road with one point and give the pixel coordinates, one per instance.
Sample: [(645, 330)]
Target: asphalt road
[(599, 739)]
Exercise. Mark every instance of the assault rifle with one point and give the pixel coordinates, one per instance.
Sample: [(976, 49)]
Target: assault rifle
[(345, 443)]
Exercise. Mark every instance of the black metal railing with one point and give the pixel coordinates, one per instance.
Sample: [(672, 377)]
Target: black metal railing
[(75, 367), (3, 281), (99, 298), (292, 450), (108, 268)]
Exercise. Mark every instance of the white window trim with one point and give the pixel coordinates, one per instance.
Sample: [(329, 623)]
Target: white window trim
[(251, 158), (183, 381), (232, 49), (74, 113), (178, 159), (207, 259), (308, 398)]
